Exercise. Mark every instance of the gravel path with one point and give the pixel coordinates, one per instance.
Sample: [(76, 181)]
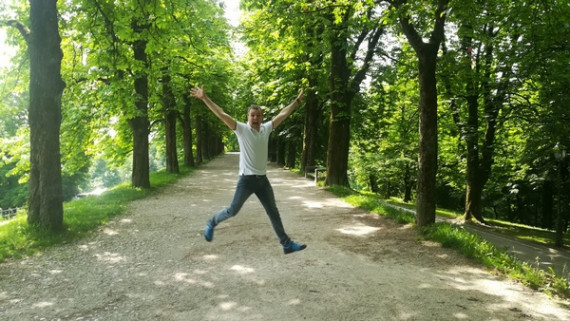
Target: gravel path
[(153, 264)]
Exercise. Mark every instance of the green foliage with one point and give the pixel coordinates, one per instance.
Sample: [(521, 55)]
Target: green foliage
[(189, 41), (14, 165), (384, 152)]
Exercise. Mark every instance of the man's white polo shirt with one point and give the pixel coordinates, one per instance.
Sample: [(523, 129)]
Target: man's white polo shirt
[(253, 147)]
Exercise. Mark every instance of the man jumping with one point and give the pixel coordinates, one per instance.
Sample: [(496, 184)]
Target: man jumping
[(253, 139)]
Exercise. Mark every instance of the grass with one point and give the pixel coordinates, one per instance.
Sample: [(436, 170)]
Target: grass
[(527, 233), (468, 244), (481, 251), (519, 231), (81, 217)]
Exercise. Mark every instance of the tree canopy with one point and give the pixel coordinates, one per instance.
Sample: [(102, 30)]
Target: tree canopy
[(445, 103)]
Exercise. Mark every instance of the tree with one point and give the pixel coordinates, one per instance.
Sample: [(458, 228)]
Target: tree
[(169, 105), (45, 207), (384, 148), (139, 122), (186, 121), (345, 80), (154, 50), (277, 64), (547, 65), (482, 65), (427, 61)]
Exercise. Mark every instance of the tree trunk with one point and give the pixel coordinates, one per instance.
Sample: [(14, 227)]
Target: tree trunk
[(427, 170), (215, 145), (312, 109), (479, 168), (547, 204), (169, 105), (291, 154), (373, 183), (339, 128), (427, 63), (171, 150), (199, 137), (273, 148), (206, 141), (140, 124), (281, 148), (561, 219), (308, 158), (46, 89), (141, 173), (473, 205), (473, 180), (408, 184), (344, 85), (187, 133)]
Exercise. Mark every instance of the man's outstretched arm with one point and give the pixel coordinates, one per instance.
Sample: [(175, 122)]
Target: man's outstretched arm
[(200, 93), (285, 112)]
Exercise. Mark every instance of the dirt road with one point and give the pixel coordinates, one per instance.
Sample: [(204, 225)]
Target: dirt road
[(153, 264)]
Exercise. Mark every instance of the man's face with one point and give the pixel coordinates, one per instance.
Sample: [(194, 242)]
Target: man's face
[(255, 118)]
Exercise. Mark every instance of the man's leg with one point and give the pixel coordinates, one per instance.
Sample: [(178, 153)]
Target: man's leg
[(242, 193), (267, 198)]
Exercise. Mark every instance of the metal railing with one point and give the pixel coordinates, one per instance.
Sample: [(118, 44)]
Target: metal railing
[(10, 212)]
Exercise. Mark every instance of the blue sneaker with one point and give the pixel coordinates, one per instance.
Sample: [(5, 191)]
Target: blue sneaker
[(293, 247), (209, 233)]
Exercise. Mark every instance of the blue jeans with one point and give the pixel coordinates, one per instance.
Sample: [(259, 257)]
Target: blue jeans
[(260, 186)]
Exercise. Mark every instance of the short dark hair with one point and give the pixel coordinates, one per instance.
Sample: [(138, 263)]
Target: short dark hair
[(255, 107)]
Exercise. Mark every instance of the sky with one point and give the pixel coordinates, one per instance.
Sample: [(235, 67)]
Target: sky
[(5, 51), (232, 14), (232, 11)]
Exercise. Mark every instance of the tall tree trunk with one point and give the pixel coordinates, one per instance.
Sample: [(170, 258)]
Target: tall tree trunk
[(308, 157), (480, 158), (281, 151), (169, 105), (339, 127), (199, 140), (187, 132), (273, 148), (373, 183), (344, 86), (46, 89), (561, 217), (140, 124), (291, 154), (215, 144), (427, 61), (312, 106), (408, 184), (206, 141), (547, 204), (473, 194), (474, 187), (427, 170)]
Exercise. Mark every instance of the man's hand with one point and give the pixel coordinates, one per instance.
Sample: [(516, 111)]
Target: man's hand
[(198, 92), (300, 96)]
